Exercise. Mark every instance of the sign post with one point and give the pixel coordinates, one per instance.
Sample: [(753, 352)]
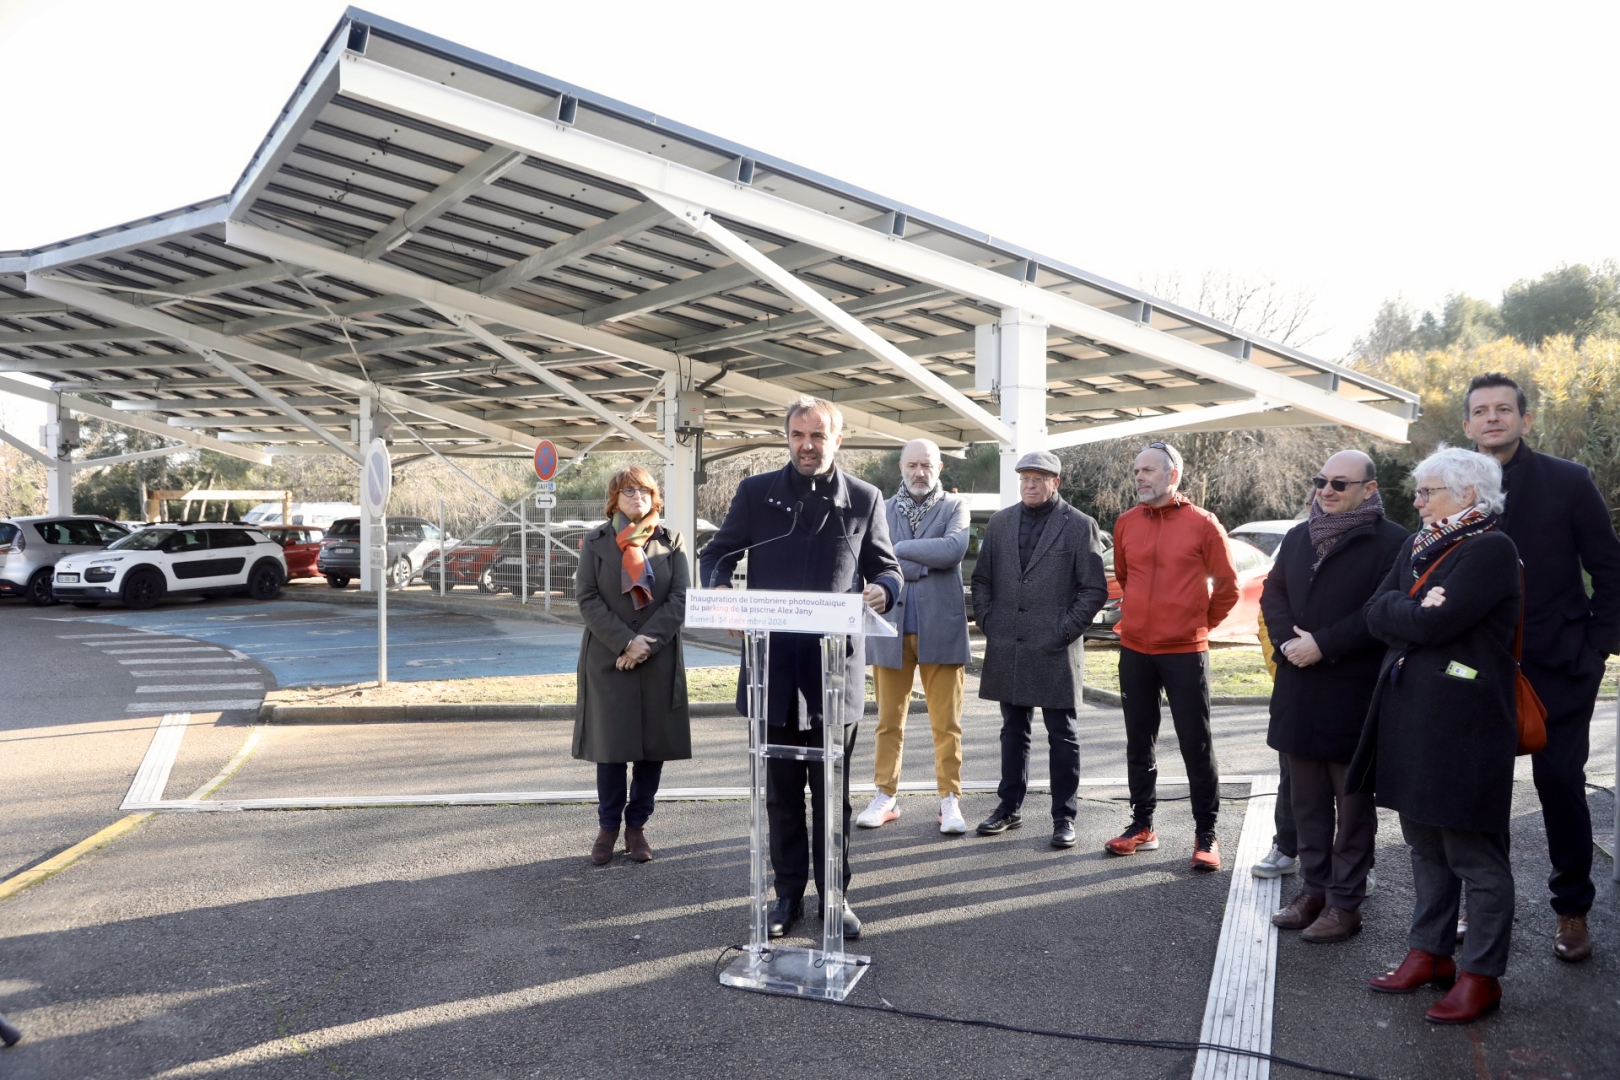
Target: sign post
[(376, 483), (545, 467)]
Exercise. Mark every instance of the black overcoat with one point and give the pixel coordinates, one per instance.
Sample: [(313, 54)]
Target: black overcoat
[(640, 714), (842, 550), (1031, 614), (1318, 711), (1438, 748), (1557, 519)]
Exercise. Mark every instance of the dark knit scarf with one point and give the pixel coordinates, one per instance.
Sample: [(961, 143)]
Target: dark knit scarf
[(1328, 529), (1433, 541), (914, 510)]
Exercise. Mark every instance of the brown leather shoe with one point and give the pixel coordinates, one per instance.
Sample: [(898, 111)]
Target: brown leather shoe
[(1573, 942), (1334, 924), (1301, 912), (635, 844), (1418, 968), (602, 850), (1472, 996)]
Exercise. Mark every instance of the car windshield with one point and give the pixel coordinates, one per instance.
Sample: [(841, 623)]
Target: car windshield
[(346, 529), (492, 534), (1267, 542), (145, 540)]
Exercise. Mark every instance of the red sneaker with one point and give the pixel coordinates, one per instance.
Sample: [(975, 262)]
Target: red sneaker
[(1206, 853), (1138, 837)]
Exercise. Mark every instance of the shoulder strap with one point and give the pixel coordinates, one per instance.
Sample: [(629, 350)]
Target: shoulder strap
[(1518, 635), (1418, 584)]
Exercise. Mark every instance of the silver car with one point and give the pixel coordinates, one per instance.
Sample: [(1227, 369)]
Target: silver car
[(30, 548)]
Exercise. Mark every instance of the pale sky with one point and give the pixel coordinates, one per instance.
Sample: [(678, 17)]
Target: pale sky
[(1357, 152)]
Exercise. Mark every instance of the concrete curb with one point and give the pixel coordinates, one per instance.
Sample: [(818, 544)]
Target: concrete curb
[(271, 713)]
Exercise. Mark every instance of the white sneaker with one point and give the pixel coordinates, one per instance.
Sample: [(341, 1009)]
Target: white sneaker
[(1372, 881), (883, 808), (950, 816), (1275, 864)]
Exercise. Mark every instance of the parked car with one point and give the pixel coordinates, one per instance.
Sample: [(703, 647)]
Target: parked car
[(412, 541), (300, 544), (472, 561), (1241, 623), (197, 557), (1265, 535), (319, 515), (30, 548)]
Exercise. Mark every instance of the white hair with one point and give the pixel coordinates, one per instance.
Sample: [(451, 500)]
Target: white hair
[(1458, 470)]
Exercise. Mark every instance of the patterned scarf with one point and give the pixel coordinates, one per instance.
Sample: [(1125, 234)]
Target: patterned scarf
[(1434, 540), (635, 572), (914, 510), (1328, 529)]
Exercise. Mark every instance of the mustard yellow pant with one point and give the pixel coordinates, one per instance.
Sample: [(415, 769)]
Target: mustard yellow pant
[(942, 686)]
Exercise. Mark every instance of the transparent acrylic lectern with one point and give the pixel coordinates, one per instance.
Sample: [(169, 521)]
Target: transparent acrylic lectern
[(828, 971)]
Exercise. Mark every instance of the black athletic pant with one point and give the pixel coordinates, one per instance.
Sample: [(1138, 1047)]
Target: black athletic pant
[(792, 845), (1184, 678), (1560, 774)]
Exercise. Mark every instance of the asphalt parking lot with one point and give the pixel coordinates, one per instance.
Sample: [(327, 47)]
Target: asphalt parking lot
[(478, 941)]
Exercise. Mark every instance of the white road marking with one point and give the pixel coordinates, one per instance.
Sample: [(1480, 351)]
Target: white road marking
[(105, 637), (1242, 988), (187, 688), (150, 673), (200, 706), (164, 649), (186, 660), (153, 775)]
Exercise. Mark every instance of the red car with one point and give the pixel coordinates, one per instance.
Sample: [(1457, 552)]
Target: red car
[(300, 544), (1241, 624), (472, 562)]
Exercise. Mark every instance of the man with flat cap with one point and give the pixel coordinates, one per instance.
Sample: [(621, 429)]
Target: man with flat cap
[(1038, 583)]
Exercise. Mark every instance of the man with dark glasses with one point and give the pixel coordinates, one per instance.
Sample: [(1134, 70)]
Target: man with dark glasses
[(1171, 559), (1327, 668)]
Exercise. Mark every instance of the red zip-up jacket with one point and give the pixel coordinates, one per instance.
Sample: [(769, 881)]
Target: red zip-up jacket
[(1177, 575)]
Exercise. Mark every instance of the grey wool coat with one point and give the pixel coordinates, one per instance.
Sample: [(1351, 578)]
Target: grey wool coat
[(1031, 614), (931, 561), (640, 714)]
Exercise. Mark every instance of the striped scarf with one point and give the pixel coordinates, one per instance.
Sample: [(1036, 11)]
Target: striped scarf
[(1436, 539), (913, 509), (635, 572), (1328, 529)]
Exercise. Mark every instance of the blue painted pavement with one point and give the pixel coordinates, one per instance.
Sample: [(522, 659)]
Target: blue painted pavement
[(312, 645)]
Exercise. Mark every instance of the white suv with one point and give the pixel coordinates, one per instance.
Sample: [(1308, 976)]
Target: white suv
[(198, 557)]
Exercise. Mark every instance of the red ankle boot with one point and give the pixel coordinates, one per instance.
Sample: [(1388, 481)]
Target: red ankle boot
[(1472, 996), (1418, 968)]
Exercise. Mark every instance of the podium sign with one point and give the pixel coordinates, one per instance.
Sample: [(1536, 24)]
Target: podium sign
[(825, 972)]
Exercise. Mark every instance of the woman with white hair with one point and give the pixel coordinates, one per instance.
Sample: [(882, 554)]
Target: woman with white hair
[(1442, 731)]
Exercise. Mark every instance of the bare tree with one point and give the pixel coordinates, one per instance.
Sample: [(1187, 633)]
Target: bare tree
[(1260, 306)]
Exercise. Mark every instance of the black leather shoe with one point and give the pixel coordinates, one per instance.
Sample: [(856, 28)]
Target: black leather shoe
[(784, 913), (1063, 834), (999, 822), (852, 922)]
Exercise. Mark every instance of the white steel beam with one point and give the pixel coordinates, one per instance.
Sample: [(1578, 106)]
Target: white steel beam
[(551, 379), (85, 407), (485, 168), (604, 233), (793, 257), (193, 336), (138, 455), (415, 96), (38, 455), (1165, 422), (698, 220), (394, 279), (270, 398)]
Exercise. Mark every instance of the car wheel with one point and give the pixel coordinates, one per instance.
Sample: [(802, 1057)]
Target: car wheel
[(400, 574), (86, 603), (486, 580), (38, 590), (264, 583), (338, 581), (142, 589)]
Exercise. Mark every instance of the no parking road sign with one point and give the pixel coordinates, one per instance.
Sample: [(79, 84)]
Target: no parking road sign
[(377, 478), (545, 460)]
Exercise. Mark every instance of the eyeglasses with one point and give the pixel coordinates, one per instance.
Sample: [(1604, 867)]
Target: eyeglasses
[(1337, 485), (635, 492), (1425, 494)]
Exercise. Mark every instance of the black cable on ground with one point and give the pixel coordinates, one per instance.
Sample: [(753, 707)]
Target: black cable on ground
[(1077, 1036)]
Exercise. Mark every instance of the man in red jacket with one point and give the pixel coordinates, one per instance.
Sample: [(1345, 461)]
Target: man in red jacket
[(1171, 559)]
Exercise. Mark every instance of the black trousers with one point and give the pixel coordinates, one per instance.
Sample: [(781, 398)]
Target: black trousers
[(1337, 832), (793, 845), (1184, 678), (1286, 838), (631, 803), (1063, 758), (1560, 774)]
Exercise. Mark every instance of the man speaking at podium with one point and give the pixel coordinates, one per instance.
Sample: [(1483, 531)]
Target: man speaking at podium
[(812, 528)]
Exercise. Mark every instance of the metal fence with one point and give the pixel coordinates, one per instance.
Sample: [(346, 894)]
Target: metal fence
[(513, 555)]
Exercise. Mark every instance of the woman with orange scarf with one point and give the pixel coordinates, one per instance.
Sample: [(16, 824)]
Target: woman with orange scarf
[(631, 587)]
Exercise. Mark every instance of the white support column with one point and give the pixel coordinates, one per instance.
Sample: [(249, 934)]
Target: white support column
[(1018, 342), (680, 488), (59, 445), (366, 579)]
